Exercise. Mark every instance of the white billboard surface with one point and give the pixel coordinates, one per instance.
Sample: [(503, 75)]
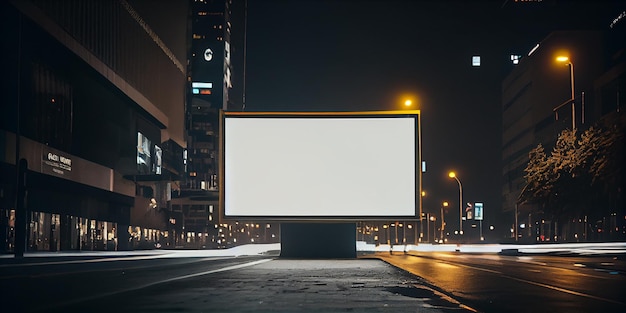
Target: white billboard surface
[(320, 167)]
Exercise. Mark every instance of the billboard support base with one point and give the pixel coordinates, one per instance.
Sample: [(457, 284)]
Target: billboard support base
[(318, 240)]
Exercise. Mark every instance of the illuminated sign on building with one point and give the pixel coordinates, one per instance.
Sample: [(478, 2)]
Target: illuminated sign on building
[(208, 54), (55, 163), (200, 88)]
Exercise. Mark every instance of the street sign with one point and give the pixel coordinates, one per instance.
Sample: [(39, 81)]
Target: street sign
[(469, 212), (478, 211)]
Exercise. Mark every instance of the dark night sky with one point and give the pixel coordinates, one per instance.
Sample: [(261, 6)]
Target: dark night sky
[(365, 55)]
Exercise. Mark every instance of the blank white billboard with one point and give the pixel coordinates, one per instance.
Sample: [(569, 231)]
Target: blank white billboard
[(341, 166)]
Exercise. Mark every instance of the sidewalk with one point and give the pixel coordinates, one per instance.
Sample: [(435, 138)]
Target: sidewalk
[(289, 285)]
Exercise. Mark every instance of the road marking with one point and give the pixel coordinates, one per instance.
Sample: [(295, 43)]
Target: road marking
[(106, 259), (57, 273), (223, 269), (565, 290)]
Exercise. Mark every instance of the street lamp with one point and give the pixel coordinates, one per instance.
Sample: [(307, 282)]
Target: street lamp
[(408, 103), (421, 217), (443, 224), (564, 59), (433, 219), (453, 175)]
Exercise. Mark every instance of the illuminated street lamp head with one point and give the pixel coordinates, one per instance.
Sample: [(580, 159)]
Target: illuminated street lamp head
[(452, 174), (562, 58), (445, 203), (408, 102)]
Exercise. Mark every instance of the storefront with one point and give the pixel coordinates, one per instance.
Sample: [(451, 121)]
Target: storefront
[(71, 203)]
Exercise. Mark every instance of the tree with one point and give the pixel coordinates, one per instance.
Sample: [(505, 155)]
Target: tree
[(580, 172), (601, 147), (539, 182)]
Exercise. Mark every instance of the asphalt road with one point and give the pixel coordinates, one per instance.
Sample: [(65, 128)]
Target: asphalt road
[(374, 282), (522, 283), (57, 284)]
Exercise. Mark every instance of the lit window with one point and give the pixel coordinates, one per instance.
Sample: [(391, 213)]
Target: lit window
[(476, 60), (515, 58)]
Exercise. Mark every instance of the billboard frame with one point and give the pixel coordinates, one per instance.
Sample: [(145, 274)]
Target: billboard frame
[(314, 114)]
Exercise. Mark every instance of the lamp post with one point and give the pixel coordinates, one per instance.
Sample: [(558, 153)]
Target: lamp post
[(423, 194), (453, 175), (571, 77), (443, 224), (408, 102), (432, 218)]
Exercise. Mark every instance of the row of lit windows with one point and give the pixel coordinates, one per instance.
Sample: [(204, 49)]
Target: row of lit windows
[(197, 37)]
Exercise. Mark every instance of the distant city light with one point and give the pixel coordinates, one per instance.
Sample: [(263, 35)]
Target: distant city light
[(515, 58), (476, 60), (617, 19), (533, 49)]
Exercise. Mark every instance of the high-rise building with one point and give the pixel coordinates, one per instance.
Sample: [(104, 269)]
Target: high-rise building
[(215, 82)]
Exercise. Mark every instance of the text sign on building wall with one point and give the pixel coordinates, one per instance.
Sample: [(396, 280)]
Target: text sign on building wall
[(316, 166), (55, 163)]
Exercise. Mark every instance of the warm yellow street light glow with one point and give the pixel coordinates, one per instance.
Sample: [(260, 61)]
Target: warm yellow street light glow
[(408, 102), (423, 193), (562, 58), (445, 203), (452, 174)]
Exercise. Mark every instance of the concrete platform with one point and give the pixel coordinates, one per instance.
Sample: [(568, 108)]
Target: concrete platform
[(294, 285)]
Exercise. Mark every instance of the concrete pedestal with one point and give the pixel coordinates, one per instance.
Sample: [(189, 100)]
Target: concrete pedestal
[(318, 240)]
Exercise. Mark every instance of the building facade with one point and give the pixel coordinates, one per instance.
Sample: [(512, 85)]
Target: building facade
[(93, 101), (536, 107)]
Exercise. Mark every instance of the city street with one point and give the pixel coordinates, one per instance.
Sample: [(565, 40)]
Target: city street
[(522, 283), (176, 281), (254, 278)]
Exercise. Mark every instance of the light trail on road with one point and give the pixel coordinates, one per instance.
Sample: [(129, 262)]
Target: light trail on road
[(157, 282)]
